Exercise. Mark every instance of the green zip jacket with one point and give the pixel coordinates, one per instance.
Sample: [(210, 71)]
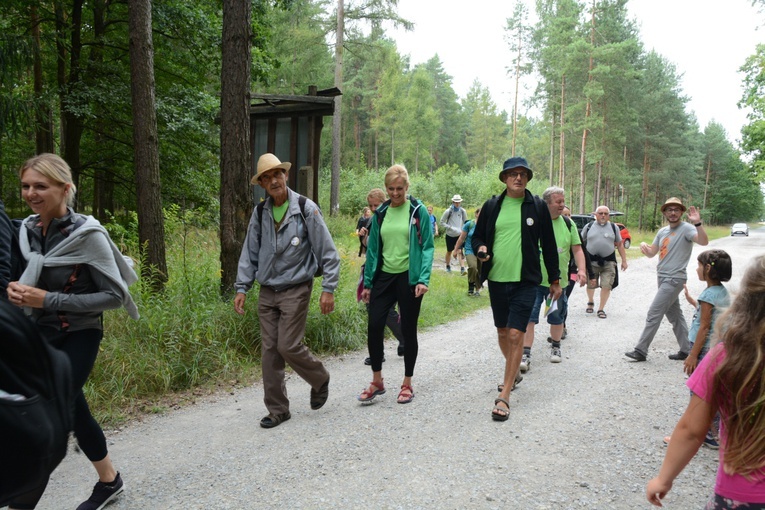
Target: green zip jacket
[(420, 245)]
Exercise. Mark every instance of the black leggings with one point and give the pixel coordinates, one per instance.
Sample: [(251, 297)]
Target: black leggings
[(81, 347), (387, 290)]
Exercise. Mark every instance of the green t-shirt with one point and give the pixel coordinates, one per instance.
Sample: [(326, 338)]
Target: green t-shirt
[(565, 238), (279, 211), (395, 238), (508, 258)]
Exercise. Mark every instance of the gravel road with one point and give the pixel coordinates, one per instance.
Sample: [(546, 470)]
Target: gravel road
[(585, 433)]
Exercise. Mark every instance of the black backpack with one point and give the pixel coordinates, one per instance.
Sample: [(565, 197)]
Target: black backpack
[(36, 406)]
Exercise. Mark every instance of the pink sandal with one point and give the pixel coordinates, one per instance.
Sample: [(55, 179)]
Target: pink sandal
[(405, 398), (369, 394)]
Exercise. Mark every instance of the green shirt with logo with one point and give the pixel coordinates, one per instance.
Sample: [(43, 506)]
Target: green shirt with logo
[(507, 257)]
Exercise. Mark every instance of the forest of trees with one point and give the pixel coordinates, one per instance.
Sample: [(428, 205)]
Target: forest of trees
[(612, 127)]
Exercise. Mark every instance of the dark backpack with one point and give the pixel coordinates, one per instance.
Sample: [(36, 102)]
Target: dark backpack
[(36, 408), (301, 203)]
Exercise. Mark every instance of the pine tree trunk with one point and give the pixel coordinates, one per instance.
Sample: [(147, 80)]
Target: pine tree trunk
[(44, 120), (334, 192), (552, 145), (71, 123), (100, 198), (236, 168), (562, 151), (151, 227), (706, 181), (644, 187)]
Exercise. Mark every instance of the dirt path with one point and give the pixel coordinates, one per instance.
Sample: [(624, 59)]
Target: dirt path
[(585, 433)]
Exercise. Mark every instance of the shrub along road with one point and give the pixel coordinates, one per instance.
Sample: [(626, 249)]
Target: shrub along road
[(585, 433)]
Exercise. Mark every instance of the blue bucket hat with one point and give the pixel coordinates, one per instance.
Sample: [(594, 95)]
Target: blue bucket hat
[(515, 162)]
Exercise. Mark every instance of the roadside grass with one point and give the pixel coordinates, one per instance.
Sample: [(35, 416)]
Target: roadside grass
[(189, 341)]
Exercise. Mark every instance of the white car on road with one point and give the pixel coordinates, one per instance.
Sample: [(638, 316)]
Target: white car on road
[(739, 228)]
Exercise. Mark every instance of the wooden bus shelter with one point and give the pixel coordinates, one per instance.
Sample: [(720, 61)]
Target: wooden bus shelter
[(290, 128)]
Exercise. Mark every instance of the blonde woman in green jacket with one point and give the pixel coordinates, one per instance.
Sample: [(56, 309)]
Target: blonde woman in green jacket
[(399, 261)]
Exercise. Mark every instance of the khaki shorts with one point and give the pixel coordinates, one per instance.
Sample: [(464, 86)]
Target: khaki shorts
[(604, 275)]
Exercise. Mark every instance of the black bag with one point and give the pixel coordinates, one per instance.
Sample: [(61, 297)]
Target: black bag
[(36, 406)]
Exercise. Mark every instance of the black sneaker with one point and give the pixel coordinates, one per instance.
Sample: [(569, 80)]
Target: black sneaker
[(635, 355), (679, 356), (711, 442), (368, 361), (103, 494)]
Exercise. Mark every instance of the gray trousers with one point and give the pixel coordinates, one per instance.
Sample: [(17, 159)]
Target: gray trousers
[(665, 302), (282, 327)]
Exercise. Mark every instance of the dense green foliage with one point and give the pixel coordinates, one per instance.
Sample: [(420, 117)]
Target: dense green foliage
[(598, 90)]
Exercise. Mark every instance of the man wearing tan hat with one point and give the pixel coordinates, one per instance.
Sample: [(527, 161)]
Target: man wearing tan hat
[(287, 244), (451, 223), (673, 244)]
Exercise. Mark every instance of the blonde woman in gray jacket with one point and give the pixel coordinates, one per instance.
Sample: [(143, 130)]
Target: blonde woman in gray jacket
[(73, 273)]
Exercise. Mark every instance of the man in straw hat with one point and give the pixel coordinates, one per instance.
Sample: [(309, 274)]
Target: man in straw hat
[(673, 244), (287, 243), (451, 222)]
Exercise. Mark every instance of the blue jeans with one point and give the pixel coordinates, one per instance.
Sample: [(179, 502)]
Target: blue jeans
[(555, 318)]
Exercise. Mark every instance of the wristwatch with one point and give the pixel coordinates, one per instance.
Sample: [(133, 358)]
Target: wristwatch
[(697, 224)]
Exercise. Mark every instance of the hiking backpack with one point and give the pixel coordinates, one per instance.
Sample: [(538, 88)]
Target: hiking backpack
[(36, 405)]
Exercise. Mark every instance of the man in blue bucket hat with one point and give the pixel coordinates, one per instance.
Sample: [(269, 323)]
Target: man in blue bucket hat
[(511, 229)]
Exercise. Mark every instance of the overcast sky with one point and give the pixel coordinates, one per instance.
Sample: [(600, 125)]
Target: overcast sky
[(707, 40)]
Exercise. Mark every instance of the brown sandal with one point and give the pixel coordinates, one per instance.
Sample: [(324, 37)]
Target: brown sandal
[(497, 416), (273, 420), (319, 397)]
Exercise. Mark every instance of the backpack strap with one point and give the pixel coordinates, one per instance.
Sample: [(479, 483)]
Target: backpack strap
[(585, 231), (261, 205), (617, 234), (417, 226)]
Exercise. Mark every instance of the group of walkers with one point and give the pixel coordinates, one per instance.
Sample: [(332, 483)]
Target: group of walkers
[(519, 244)]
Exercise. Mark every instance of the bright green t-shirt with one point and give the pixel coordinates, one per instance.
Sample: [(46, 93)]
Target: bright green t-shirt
[(395, 238), (279, 211), (565, 238), (507, 259)]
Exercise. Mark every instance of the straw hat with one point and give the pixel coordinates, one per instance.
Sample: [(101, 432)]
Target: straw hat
[(456, 198), (673, 201), (268, 162)]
